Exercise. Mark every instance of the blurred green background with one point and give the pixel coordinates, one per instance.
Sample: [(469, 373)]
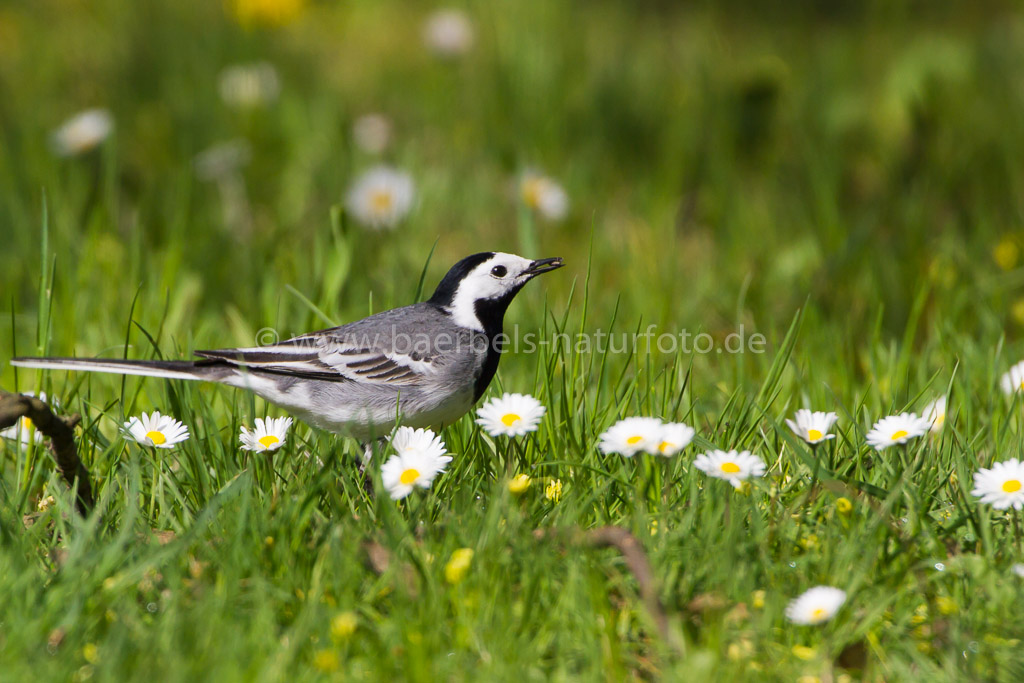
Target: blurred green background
[(730, 161)]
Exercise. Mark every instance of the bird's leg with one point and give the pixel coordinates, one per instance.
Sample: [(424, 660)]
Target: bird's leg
[(368, 448)]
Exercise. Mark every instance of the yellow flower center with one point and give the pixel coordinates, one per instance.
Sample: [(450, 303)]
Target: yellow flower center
[(664, 446), (813, 434), (818, 613), (510, 419), (26, 423), (939, 420), (1011, 485), (157, 438), (633, 440), (269, 440), (381, 200), (730, 467), (531, 192), (409, 476), (898, 435)]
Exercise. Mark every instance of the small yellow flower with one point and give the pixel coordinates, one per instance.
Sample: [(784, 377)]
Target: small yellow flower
[(1006, 253), (1017, 311), (740, 650), (266, 12), (269, 541), (920, 615), (808, 678), (844, 506), (90, 653), (805, 653), (809, 542), (946, 605), (553, 491), (458, 565), (519, 484), (326, 660), (757, 599), (654, 527), (343, 625)]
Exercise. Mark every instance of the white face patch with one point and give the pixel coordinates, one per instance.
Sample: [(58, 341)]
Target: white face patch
[(492, 279)]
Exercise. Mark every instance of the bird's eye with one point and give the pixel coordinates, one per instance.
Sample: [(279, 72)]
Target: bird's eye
[(499, 271)]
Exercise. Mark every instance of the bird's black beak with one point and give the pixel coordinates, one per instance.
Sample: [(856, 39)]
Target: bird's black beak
[(544, 265)]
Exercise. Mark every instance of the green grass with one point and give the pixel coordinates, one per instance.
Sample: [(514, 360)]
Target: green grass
[(843, 178)]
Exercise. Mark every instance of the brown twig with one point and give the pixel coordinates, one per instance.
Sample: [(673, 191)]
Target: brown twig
[(636, 560), (61, 432)]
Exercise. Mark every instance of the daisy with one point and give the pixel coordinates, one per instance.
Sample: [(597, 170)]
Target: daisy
[(82, 132), (1013, 380), (269, 435), (409, 440), (249, 85), (813, 427), (675, 436), (510, 415), (448, 33), (935, 413), (897, 429), (23, 431), (732, 466), (161, 431), (544, 195), (372, 133), (1002, 486), (419, 457), (632, 435), (815, 606), (381, 197)]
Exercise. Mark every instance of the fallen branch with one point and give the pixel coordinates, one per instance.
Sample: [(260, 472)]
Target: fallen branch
[(61, 432)]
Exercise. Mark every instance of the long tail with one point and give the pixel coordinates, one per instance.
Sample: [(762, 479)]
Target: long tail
[(209, 370)]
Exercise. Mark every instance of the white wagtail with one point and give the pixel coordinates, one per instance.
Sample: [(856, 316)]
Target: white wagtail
[(424, 364)]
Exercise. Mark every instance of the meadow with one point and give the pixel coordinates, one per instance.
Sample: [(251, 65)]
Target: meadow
[(842, 180)]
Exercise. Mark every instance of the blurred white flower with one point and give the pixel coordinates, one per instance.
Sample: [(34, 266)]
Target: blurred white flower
[(510, 415), (897, 429), (675, 436), (222, 165), (1002, 486), (733, 466), (543, 195), (23, 431), (419, 458), (816, 605), (1012, 380), (631, 436), (448, 33), (249, 85), (812, 427), (82, 132), (161, 431), (223, 159), (935, 413), (372, 133), (269, 435), (381, 197)]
